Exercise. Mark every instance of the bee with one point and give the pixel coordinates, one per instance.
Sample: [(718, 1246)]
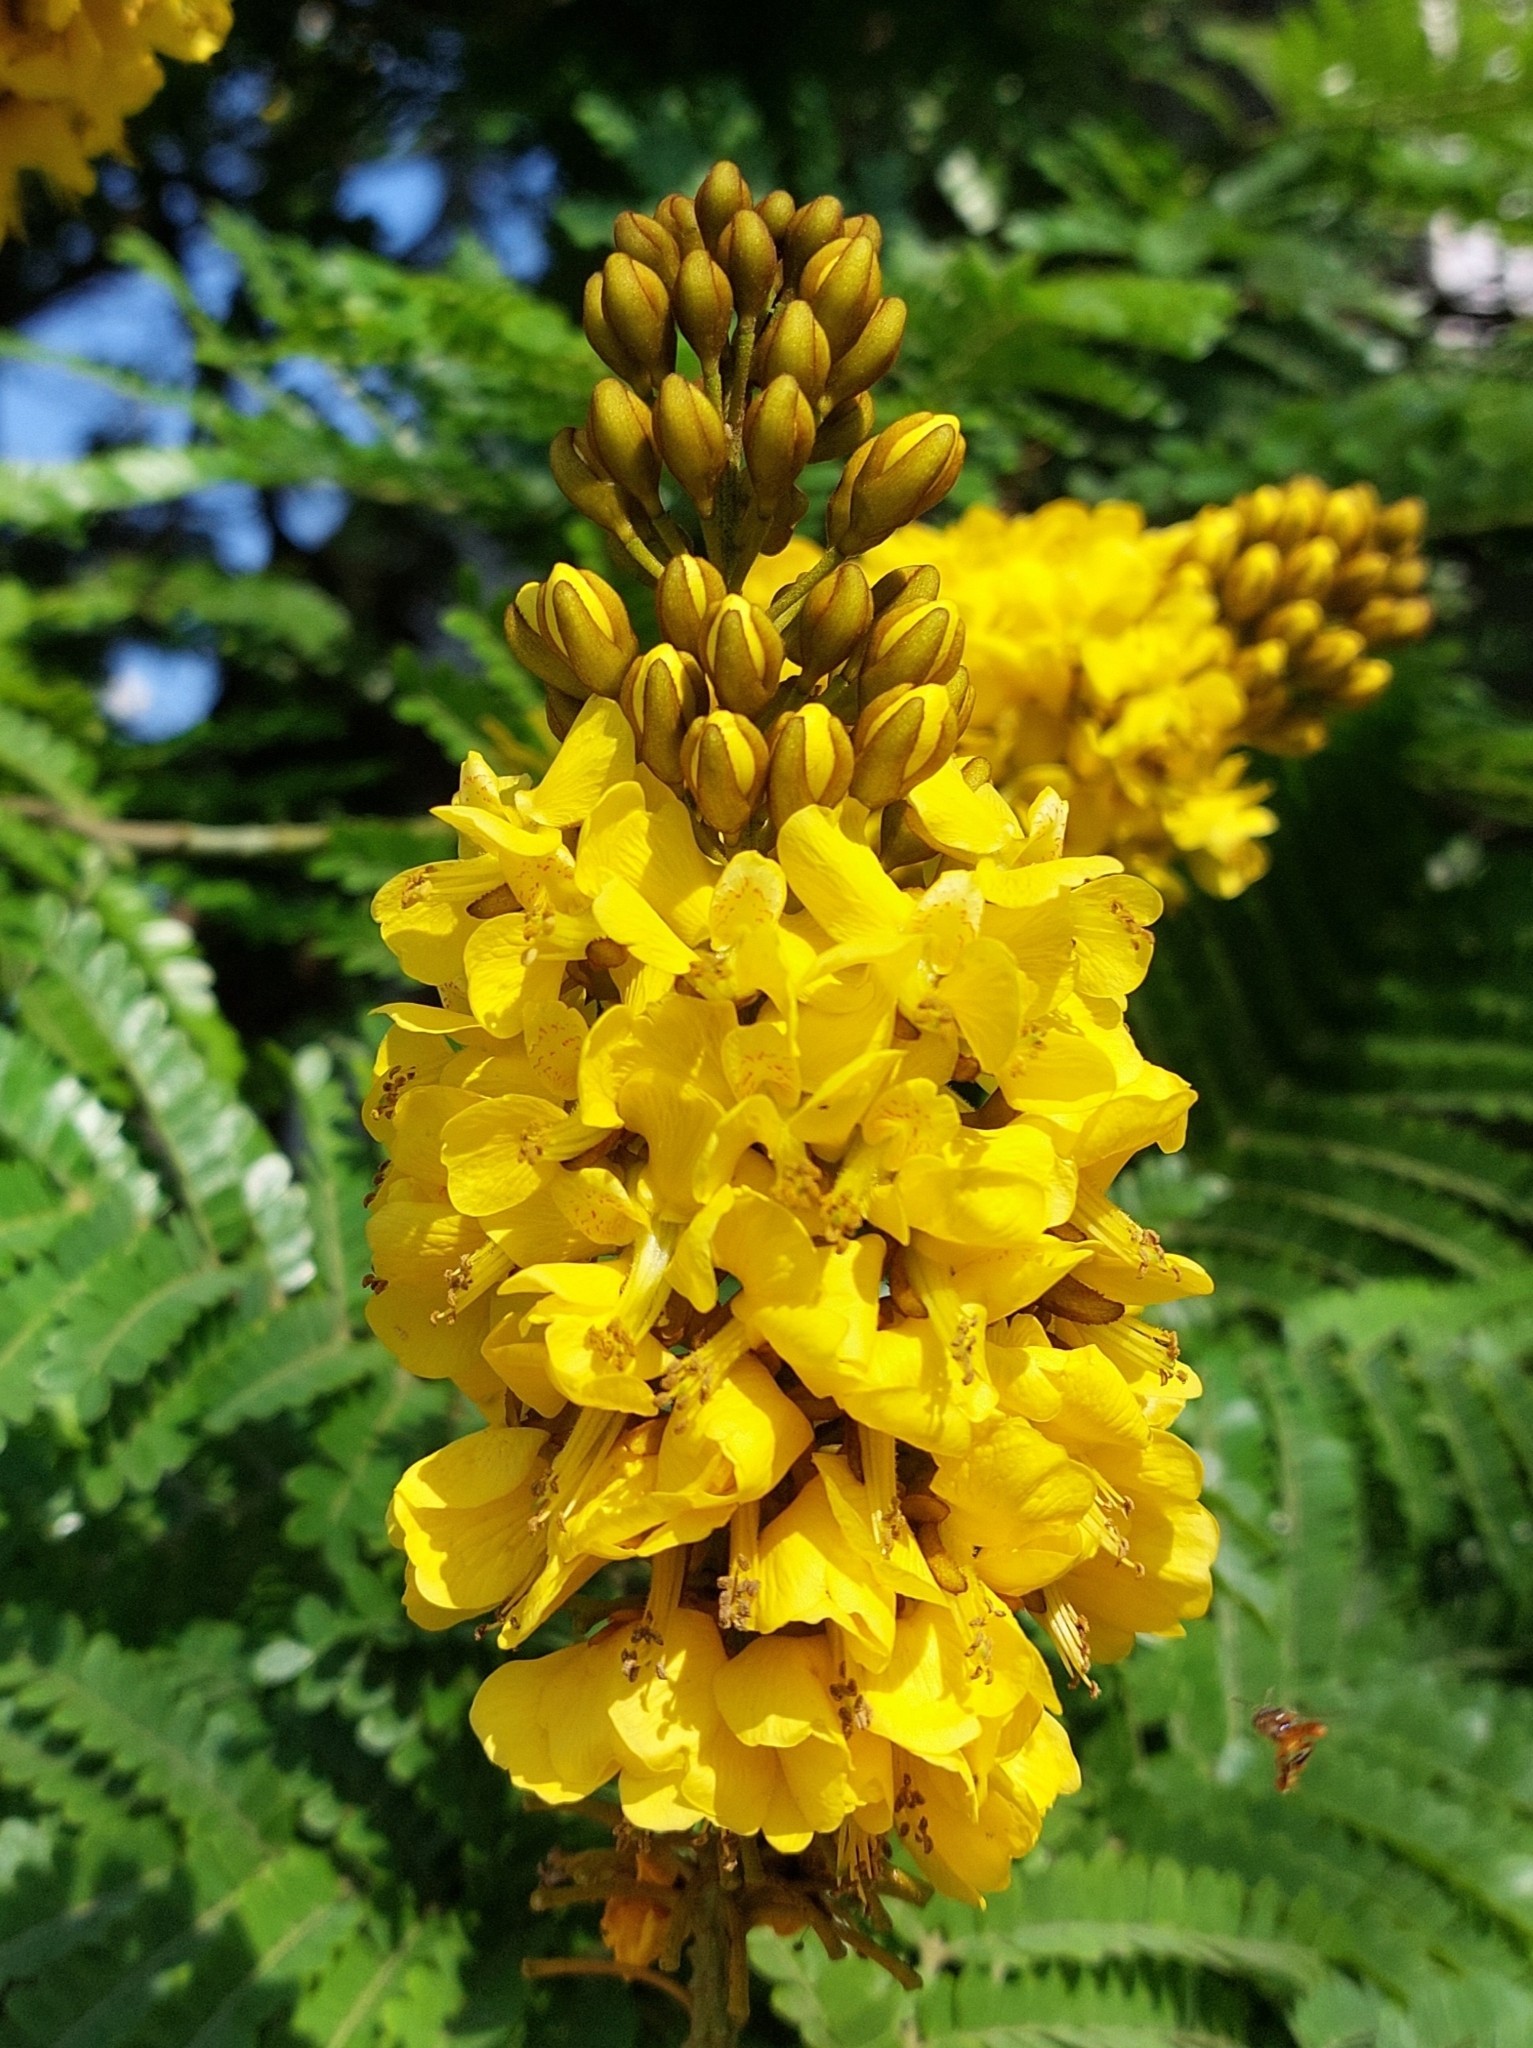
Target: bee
[(1293, 1739)]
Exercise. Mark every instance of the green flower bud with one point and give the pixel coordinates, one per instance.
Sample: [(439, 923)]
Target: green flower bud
[(690, 436), (646, 241), (811, 762), (795, 346), (533, 651), (777, 209), (678, 216), (724, 763), (583, 619), (1250, 583), (662, 694), (899, 741), (843, 283), (835, 616), (721, 195), (620, 432), (743, 653), (873, 353), (704, 305), (814, 224), (910, 644), (844, 429), (637, 309), (749, 257), (684, 596), (1309, 569), (597, 496), (896, 477), (778, 434), (919, 584)]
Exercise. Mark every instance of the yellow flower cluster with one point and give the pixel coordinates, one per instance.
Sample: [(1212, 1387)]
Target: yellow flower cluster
[(72, 71), (1126, 666), (692, 1188), (751, 1169)]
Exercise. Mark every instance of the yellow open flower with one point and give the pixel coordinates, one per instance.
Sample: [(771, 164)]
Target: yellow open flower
[(72, 71), (772, 1195)]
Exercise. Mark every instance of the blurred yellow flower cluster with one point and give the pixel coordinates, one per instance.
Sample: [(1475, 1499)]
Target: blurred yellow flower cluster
[(1127, 667), (751, 1169), (72, 71)]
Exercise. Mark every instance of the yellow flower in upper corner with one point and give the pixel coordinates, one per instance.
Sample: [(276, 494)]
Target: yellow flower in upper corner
[(72, 71)]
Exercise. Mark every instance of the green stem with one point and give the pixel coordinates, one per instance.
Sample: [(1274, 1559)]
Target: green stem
[(717, 1981), (789, 602)]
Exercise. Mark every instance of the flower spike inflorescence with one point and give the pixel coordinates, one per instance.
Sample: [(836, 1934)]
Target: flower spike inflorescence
[(751, 1169), (1128, 667)]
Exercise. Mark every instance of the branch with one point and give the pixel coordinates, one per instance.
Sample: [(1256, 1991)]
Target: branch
[(147, 835)]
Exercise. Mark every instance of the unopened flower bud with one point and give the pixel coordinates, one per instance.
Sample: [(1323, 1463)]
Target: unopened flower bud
[(621, 432), (678, 216), (1330, 653), (704, 305), (960, 694), (872, 355), (1402, 524), (1383, 619), (721, 195), (816, 223), (663, 693), (835, 616), (637, 309), (643, 238), (599, 333), (690, 436), (533, 651), (597, 496), (896, 477), (867, 225), (1407, 575), (1350, 516), (1309, 569), (795, 346), (1360, 576), (583, 619), (743, 653), (811, 762), (1260, 510), (1263, 663), (843, 282), (785, 522), (918, 584), (1295, 623), (844, 430), (910, 644), (778, 434), (1250, 583), (1213, 538), (1363, 681), (684, 596), (562, 710), (749, 259), (777, 209), (1304, 503), (899, 741), (976, 771), (724, 763)]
